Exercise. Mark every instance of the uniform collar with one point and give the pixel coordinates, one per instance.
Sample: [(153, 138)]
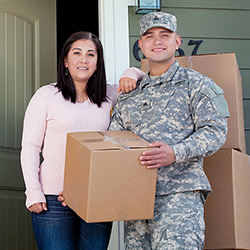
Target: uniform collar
[(164, 78)]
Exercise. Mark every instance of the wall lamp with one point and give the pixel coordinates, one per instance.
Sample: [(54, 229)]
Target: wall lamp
[(146, 6)]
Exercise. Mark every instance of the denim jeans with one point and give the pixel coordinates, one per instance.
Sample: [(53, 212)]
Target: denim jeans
[(60, 228)]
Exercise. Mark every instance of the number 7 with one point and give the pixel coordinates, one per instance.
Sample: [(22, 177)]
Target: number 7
[(198, 43)]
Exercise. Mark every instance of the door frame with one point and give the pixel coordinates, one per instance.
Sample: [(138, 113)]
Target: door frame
[(114, 34)]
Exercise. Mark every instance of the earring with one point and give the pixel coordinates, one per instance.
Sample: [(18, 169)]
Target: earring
[(66, 72)]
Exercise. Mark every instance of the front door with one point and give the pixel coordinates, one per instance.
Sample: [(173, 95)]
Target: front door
[(27, 61)]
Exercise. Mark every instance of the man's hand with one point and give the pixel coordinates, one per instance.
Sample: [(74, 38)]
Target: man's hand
[(126, 85), (38, 207), (162, 155), (62, 199)]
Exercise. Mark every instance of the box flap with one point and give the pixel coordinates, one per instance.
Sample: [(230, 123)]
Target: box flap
[(135, 143), (122, 134), (86, 135), (111, 140), (101, 144), (128, 139)]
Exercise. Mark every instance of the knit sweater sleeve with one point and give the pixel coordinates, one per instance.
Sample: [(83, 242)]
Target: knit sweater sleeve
[(133, 73), (112, 93), (34, 129)]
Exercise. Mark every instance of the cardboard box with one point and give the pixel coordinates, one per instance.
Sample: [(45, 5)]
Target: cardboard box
[(227, 209), (104, 180), (223, 69)]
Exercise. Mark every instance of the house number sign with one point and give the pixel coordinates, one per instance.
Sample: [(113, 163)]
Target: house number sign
[(197, 44)]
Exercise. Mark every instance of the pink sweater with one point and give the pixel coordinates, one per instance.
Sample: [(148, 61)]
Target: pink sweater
[(48, 119)]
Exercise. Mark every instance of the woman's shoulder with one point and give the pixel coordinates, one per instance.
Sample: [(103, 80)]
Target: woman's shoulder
[(47, 90), (45, 93)]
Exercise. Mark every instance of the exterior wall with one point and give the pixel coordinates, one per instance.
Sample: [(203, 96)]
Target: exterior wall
[(222, 25)]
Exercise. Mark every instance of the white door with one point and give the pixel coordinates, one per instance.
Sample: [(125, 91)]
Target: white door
[(27, 61)]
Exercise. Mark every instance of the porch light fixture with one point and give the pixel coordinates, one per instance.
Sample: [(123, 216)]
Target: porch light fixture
[(146, 6)]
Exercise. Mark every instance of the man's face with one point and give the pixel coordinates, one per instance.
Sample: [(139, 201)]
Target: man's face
[(159, 45)]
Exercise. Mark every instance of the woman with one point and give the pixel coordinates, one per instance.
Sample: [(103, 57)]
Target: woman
[(80, 101)]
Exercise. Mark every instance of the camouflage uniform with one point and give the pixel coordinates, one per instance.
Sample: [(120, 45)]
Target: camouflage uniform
[(187, 111), (178, 228)]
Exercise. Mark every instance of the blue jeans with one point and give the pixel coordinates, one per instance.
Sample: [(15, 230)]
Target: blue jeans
[(60, 228)]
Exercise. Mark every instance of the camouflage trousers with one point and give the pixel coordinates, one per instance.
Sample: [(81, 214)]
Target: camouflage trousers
[(178, 223)]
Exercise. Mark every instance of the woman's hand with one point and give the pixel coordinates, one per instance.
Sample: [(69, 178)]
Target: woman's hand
[(61, 199), (126, 85), (129, 79), (38, 207)]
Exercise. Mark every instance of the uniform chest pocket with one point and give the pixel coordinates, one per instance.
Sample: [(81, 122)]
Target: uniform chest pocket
[(133, 119), (178, 111), (154, 107)]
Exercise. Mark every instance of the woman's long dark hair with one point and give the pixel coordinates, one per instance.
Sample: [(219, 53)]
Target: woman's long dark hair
[(96, 86)]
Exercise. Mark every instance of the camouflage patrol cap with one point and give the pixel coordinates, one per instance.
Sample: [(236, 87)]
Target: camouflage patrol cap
[(157, 19)]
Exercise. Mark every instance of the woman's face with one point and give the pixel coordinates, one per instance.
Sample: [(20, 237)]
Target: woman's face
[(81, 60)]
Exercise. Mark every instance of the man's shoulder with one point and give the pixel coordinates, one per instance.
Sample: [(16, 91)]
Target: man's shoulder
[(194, 77), (189, 73)]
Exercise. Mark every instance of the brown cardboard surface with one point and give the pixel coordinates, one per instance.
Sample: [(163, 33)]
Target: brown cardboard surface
[(223, 69), (227, 208), (104, 180)]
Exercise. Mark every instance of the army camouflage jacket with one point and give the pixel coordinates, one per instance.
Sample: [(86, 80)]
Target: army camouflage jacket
[(183, 109)]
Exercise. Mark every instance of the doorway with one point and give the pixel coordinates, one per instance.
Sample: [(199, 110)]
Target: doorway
[(75, 16)]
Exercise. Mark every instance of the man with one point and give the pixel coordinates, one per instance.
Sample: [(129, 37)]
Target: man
[(183, 115)]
